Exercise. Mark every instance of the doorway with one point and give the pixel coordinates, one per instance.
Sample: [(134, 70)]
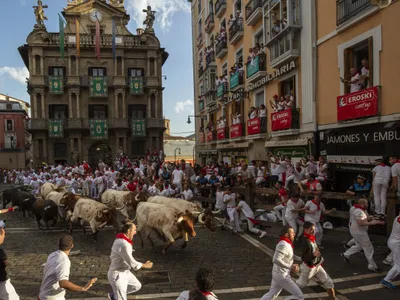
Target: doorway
[(99, 151)]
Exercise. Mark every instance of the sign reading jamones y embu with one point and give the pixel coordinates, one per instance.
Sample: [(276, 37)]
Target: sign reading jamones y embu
[(359, 104), (281, 120)]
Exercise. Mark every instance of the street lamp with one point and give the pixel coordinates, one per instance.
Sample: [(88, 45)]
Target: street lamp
[(193, 116), (178, 153)]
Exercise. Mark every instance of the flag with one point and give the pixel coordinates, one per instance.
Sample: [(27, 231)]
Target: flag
[(61, 36), (97, 39), (78, 37), (113, 40)]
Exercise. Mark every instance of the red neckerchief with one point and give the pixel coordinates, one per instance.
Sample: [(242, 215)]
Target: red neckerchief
[(206, 293), (284, 238), (359, 206), (310, 237), (382, 165), (299, 169), (317, 204), (398, 219), (123, 236)]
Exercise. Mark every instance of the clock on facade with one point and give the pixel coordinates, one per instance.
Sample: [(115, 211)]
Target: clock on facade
[(95, 15)]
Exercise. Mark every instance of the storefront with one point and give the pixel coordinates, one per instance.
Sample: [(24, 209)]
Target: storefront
[(233, 152), (206, 156), (353, 150)]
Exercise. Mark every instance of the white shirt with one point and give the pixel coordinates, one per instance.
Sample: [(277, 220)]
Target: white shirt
[(315, 217), (283, 259), (322, 170), (356, 86), (178, 174), (395, 235), (396, 173), (299, 176), (311, 168), (359, 214), (262, 113), (56, 269), (219, 201), (188, 194), (382, 172), (121, 257), (282, 167), (185, 296), (231, 200), (290, 206), (245, 208)]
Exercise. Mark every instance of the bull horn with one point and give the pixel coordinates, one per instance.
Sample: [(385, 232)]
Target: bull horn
[(27, 199), (121, 208), (216, 212), (200, 218), (136, 198), (102, 225)]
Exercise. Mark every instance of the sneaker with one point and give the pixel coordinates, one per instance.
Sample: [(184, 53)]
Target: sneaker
[(345, 258), (388, 262), (111, 296), (346, 247), (263, 234), (388, 284), (376, 270)]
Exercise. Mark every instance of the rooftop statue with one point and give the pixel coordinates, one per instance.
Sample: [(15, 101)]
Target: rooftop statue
[(150, 18), (39, 13)]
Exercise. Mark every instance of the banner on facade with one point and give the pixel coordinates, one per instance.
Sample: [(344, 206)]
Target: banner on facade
[(253, 126), (236, 130), (221, 133), (56, 128), (136, 85), (359, 104), (98, 129), (56, 84), (138, 127), (98, 86), (201, 137), (281, 120), (210, 136)]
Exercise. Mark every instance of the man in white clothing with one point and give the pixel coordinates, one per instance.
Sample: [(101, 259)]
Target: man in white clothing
[(122, 281), (187, 193), (380, 184), (293, 207), (177, 176), (205, 285), (394, 245), (56, 273), (359, 231), (230, 202), (244, 208), (283, 265), (395, 162)]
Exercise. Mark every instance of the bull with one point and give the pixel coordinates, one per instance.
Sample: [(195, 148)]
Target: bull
[(90, 211), (167, 222), (12, 194), (46, 210), (123, 201), (48, 187), (64, 200)]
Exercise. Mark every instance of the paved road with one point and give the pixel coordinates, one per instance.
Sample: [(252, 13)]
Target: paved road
[(242, 263)]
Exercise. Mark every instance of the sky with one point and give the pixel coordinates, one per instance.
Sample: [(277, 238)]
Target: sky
[(172, 27)]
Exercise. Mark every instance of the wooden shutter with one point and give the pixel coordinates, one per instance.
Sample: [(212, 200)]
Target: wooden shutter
[(348, 64), (371, 61)]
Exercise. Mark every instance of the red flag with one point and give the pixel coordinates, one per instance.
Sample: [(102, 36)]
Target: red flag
[(98, 39)]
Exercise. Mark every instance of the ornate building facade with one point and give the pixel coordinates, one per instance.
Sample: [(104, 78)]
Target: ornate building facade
[(95, 87)]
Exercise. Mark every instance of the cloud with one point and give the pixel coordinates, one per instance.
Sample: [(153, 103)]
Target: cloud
[(19, 74), (183, 106), (165, 9)]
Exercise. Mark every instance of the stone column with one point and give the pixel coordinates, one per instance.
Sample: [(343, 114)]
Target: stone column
[(125, 149), (69, 66), (123, 104), (78, 107), (70, 105), (43, 106), (80, 150), (31, 65), (77, 66), (36, 152), (156, 105), (155, 66), (122, 65), (116, 114), (71, 149), (41, 65), (148, 67), (35, 105), (149, 106)]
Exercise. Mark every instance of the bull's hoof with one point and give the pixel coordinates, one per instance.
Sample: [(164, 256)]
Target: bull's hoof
[(184, 245)]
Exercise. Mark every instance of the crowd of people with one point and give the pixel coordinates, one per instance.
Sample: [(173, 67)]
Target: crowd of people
[(282, 103), (359, 79)]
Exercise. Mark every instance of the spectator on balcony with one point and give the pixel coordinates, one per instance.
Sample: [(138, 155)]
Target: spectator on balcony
[(253, 113), (236, 118), (366, 83), (262, 114), (276, 28), (210, 126), (239, 16), (201, 129), (289, 102), (284, 20), (232, 20), (355, 81), (274, 103)]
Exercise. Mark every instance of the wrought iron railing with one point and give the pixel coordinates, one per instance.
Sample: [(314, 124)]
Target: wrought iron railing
[(252, 6), (347, 9), (235, 28), (221, 44), (219, 4)]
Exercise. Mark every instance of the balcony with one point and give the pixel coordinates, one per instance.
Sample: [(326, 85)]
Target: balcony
[(73, 81), (209, 24), (119, 81), (346, 10), (236, 80), (201, 105), (285, 122), (73, 124), (155, 122), (220, 8), (285, 50), (255, 126), (11, 147), (256, 68), (236, 131), (37, 80), (118, 123), (253, 11), (221, 48), (211, 135), (153, 81), (222, 133), (199, 40), (200, 71), (236, 32), (37, 124), (222, 90), (210, 60)]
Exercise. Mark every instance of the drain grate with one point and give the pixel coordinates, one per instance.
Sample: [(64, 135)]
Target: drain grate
[(155, 277)]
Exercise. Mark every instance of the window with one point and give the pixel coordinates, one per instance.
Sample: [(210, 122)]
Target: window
[(224, 69), (224, 111), (137, 111), (202, 90), (10, 140), (259, 38), (60, 150), (288, 88), (97, 72), (354, 57), (9, 106), (56, 71), (98, 111), (132, 72), (138, 148), (239, 56), (58, 112), (223, 24), (210, 6), (238, 5), (200, 59), (259, 99), (9, 125)]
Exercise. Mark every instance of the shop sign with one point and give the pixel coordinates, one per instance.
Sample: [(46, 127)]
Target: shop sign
[(201, 137), (359, 104), (221, 133), (236, 130), (290, 151), (352, 159), (253, 126), (209, 136), (281, 120), (271, 76), (367, 137), (236, 96)]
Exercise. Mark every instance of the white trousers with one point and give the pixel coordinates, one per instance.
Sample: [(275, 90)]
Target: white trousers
[(7, 291), (251, 227), (234, 219), (280, 282), (280, 212), (297, 225), (288, 179), (123, 283), (380, 191), (362, 243), (395, 270), (318, 272)]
